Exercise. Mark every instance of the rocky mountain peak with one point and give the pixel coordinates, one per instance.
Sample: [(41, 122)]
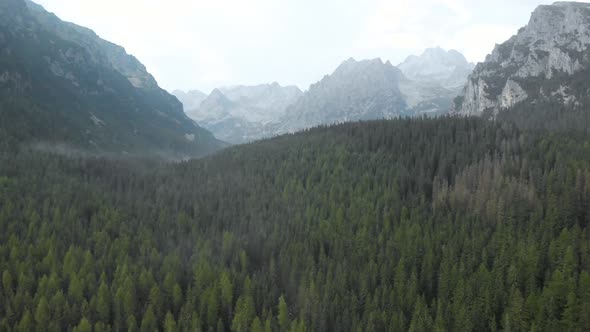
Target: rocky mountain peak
[(372, 70), (551, 21), (216, 97), (436, 65), (356, 90), (552, 48), (353, 67)]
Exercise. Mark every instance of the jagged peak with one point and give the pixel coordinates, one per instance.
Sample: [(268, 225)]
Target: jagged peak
[(557, 9), (548, 44), (441, 53), (216, 93), (352, 64)]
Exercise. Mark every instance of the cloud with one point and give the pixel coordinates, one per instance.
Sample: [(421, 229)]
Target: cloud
[(471, 43), (183, 43), (409, 24)]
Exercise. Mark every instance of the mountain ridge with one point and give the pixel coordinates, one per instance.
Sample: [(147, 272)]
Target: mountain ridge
[(240, 114), (60, 82), (447, 68), (356, 90), (546, 60)]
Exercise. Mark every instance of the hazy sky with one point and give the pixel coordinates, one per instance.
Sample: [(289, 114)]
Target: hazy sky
[(197, 44)]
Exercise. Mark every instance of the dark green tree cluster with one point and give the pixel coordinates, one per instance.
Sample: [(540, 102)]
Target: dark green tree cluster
[(416, 224)]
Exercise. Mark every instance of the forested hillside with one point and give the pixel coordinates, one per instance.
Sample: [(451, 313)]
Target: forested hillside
[(60, 84), (423, 225)]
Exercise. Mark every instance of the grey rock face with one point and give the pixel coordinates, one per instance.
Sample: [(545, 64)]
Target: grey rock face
[(448, 69), (553, 46), (360, 90)]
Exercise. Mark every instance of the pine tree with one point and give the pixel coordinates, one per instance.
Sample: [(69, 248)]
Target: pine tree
[(84, 326), (103, 303), (149, 322), (421, 319), (283, 314), (584, 296), (226, 290), (26, 322), (169, 323), (244, 313), (569, 318), (7, 283), (42, 314), (256, 325), (131, 324)]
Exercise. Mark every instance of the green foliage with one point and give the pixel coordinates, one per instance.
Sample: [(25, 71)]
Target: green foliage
[(169, 323), (149, 322), (424, 224), (84, 326), (244, 314), (283, 314)]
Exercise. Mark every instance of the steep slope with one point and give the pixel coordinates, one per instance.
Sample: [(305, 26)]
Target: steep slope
[(547, 61), (241, 114), (357, 90), (61, 83)]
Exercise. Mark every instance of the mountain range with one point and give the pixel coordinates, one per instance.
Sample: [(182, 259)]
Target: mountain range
[(62, 84), (356, 90), (240, 114)]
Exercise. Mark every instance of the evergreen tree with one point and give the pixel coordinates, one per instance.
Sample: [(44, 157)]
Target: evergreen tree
[(169, 323), (283, 314)]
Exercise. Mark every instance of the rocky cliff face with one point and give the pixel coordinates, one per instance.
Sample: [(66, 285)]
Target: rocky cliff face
[(61, 83), (541, 62), (357, 90)]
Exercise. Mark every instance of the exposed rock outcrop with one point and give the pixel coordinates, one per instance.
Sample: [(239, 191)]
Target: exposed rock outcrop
[(535, 64)]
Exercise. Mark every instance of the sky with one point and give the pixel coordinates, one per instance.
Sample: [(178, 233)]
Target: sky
[(198, 44)]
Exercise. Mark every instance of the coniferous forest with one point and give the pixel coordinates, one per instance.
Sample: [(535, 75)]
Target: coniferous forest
[(450, 224)]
